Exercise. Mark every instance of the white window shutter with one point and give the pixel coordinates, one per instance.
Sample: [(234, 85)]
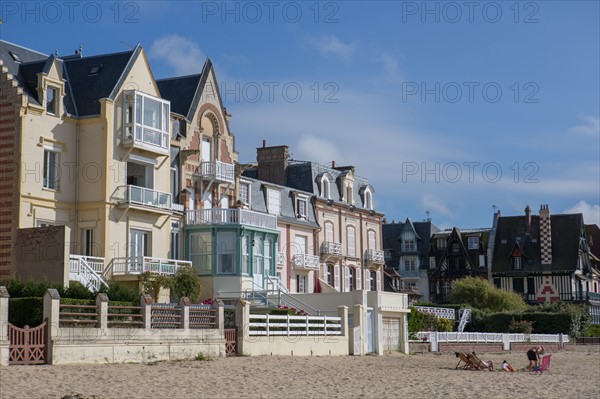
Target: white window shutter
[(358, 273), (367, 280), (346, 279), (378, 280), (336, 277)]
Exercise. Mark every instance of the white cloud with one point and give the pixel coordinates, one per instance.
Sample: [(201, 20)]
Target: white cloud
[(390, 65), (319, 149), (591, 213), (435, 204), (181, 54), (329, 44), (590, 126)]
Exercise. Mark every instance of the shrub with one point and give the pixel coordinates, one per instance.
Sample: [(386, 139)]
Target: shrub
[(26, 311), (187, 283), (21, 289), (415, 322), (444, 325), (521, 326), (152, 283), (120, 292), (77, 290), (593, 331), (481, 294)]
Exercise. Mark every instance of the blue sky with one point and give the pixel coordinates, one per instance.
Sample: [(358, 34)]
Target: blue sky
[(447, 107)]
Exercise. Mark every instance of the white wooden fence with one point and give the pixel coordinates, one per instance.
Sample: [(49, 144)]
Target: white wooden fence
[(436, 338), (264, 324)]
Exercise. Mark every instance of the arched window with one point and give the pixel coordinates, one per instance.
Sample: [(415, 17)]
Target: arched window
[(325, 191), (328, 231), (368, 200), (351, 241), (372, 240)]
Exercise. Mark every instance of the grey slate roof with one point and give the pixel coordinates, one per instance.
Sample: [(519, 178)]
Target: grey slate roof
[(82, 90), (288, 215), (180, 91), (391, 240), (592, 232), (567, 230)]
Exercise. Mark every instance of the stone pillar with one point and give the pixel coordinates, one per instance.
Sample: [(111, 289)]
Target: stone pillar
[(343, 314), (404, 346), (184, 302), (102, 303), (220, 320), (146, 304), (357, 344), (4, 344), (52, 314), (242, 321), (506, 342)]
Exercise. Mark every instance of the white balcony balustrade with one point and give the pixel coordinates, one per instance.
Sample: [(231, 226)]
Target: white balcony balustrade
[(374, 257), (232, 216), (305, 262), (218, 171), (331, 250), (88, 270), (142, 264), (177, 207), (145, 197)]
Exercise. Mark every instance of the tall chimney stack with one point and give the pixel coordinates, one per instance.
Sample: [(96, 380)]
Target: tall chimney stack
[(545, 235), (272, 163), (527, 219)]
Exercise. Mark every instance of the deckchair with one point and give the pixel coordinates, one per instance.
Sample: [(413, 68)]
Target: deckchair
[(479, 364), (545, 366), (463, 358)]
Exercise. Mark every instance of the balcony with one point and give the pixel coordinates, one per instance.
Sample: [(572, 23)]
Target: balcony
[(231, 216), (217, 171), (141, 264), (374, 258), (146, 122), (409, 273), (280, 259), (143, 198), (305, 262), (331, 251), (177, 207)]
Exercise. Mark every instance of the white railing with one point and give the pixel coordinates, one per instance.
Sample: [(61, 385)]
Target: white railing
[(409, 273), (218, 170), (331, 248), (374, 256), (280, 258), (305, 261), (232, 216), (141, 264), (477, 337), (274, 284), (441, 313), (87, 270), (265, 324), (177, 207), (143, 196)]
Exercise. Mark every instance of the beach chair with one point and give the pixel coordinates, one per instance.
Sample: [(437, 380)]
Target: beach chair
[(545, 366), (463, 358), (477, 362)]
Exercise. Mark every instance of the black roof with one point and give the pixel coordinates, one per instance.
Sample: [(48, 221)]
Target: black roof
[(180, 91), (392, 239), (31, 60), (592, 232), (566, 233)]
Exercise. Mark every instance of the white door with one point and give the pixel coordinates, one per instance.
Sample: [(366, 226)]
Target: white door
[(258, 264), (391, 334), (369, 336), (205, 149), (138, 248)]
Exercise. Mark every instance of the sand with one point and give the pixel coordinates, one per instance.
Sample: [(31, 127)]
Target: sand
[(572, 375)]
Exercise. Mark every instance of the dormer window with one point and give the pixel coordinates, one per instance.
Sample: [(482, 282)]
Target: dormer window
[(349, 199), (15, 57), (95, 70), (244, 192), (441, 243), (473, 242), (325, 189), (51, 100), (409, 246), (517, 263), (368, 199), (301, 206), (273, 201)]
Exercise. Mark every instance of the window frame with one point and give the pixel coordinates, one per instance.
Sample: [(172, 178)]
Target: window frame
[(409, 245), (351, 249), (473, 242), (441, 244), (206, 252), (53, 102), (51, 183), (517, 262), (246, 186), (273, 201)]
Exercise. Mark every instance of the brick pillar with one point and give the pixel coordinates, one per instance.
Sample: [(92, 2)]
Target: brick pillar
[(545, 236), (184, 302), (272, 162), (146, 304), (102, 303), (220, 320)]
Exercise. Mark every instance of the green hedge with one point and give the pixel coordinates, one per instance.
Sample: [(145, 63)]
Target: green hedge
[(543, 322), (25, 311)]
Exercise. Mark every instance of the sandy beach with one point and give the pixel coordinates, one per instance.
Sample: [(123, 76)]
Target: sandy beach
[(572, 375)]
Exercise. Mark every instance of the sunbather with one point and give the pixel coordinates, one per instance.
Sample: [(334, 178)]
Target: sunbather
[(506, 366)]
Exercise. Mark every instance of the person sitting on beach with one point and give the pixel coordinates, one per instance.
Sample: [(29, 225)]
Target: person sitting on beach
[(481, 363), (506, 366), (533, 355)]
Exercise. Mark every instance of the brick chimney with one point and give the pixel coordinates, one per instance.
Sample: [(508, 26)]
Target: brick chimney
[(272, 163), (545, 235), (527, 219)]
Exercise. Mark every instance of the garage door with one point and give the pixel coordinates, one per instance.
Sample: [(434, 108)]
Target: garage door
[(391, 334)]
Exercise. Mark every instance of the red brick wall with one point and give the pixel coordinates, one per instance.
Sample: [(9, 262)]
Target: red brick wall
[(477, 347), (10, 127)]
